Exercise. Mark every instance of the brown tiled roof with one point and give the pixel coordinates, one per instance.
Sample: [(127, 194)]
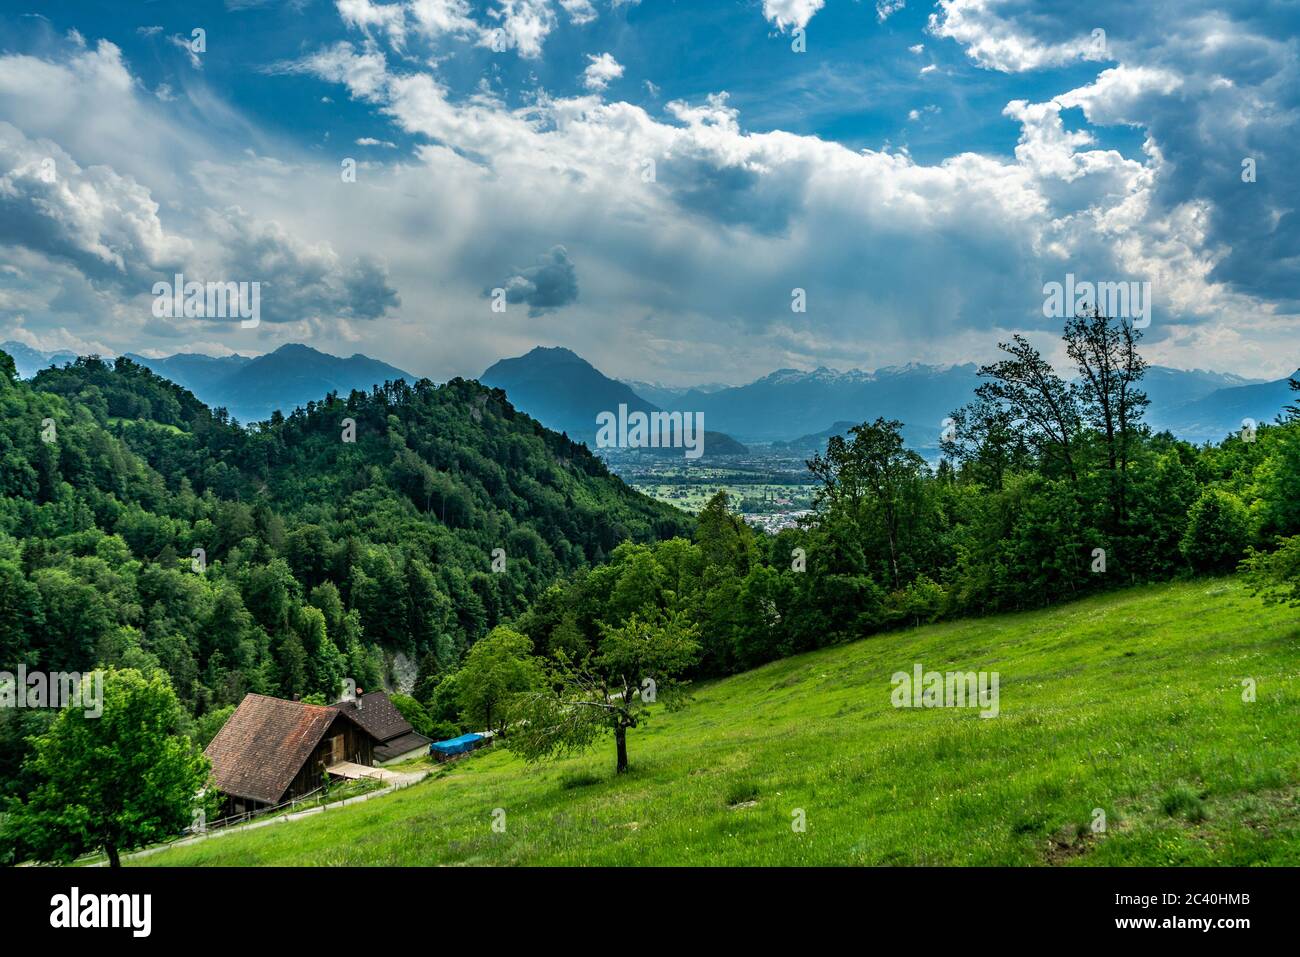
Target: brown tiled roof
[(263, 746), (378, 715)]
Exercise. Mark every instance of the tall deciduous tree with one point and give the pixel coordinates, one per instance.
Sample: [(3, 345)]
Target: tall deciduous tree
[(498, 667), (872, 477), (984, 441), (1043, 405), (1110, 372)]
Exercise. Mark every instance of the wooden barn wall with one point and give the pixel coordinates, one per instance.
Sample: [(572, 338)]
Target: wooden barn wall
[(358, 747)]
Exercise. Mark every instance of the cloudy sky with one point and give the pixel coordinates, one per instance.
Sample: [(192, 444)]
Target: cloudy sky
[(647, 182)]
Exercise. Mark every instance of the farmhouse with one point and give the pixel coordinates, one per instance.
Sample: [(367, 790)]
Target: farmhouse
[(394, 737), (272, 750)]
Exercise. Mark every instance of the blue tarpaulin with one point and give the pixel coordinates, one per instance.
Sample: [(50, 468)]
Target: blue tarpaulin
[(466, 742)]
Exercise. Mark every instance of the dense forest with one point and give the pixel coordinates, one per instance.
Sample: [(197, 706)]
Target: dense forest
[(359, 537)]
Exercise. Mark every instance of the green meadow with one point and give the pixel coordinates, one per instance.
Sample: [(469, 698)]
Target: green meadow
[(1131, 703)]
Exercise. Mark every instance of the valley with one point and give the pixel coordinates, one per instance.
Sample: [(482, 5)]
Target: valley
[(770, 488)]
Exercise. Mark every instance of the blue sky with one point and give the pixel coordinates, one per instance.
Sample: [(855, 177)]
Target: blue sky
[(919, 170)]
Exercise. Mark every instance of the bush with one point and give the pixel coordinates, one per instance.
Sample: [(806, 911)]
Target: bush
[(1276, 575), (205, 728), (442, 730), (413, 712), (919, 603), (1218, 532)]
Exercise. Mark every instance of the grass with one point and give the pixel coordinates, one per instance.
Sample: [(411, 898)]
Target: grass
[(1125, 708)]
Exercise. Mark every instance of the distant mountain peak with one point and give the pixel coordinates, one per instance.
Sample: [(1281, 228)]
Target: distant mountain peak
[(565, 392), (292, 375)]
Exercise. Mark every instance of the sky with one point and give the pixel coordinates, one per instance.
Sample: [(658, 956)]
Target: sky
[(679, 192)]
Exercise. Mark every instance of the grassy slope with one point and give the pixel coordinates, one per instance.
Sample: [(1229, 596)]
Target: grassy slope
[(1130, 702)]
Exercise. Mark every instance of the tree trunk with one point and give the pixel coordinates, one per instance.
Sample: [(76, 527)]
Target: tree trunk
[(620, 739), (114, 860)]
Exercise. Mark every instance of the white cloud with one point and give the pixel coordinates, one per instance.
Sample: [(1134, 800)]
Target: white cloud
[(997, 43), (991, 229), (364, 74), (107, 190), (436, 17), (104, 223), (523, 26), (581, 12), (601, 71), (187, 45), (1117, 95), (367, 17), (55, 340), (791, 13), (887, 8)]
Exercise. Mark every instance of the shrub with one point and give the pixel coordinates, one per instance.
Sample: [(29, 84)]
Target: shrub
[(413, 712), (1218, 532)]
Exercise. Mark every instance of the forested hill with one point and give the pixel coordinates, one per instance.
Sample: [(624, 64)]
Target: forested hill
[(353, 526)]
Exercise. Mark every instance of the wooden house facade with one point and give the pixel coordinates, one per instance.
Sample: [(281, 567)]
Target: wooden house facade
[(272, 750), (395, 739)]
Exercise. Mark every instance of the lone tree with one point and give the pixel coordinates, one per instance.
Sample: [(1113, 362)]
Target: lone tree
[(118, 781), (607, 692)]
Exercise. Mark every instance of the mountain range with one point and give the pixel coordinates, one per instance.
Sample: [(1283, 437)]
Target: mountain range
[(250, 388), (800, 410), (30, 361), (796, 409)]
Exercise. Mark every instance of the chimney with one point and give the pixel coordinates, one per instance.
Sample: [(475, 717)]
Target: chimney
[(360, 694), (297, 697)]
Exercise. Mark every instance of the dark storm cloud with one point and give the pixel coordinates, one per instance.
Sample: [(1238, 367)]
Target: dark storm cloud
[(547, 286)]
